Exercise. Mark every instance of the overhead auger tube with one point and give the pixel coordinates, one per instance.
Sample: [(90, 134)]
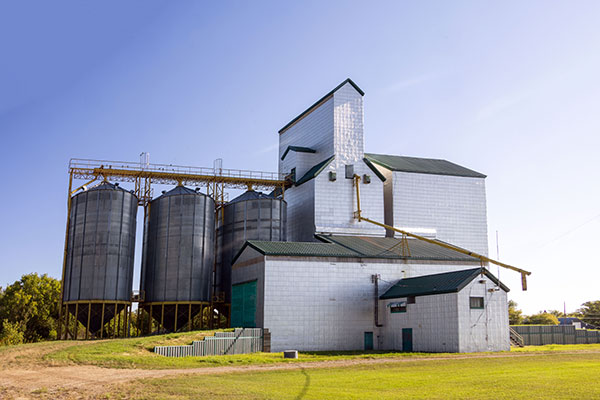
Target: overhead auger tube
[(359, 217)]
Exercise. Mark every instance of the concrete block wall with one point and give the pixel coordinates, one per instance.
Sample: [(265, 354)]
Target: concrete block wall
[(315, 131), (348, 125), (335, 202), (452, 205), (433, 320), (301, 212), (483, 329), (319, 304)]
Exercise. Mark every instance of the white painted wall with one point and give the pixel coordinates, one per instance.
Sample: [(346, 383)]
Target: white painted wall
[(348, 125), (446, 323), (325, 304), (433, 320), (487, 329), (301, 212), (454, 206), (335, 202), (315, 131)]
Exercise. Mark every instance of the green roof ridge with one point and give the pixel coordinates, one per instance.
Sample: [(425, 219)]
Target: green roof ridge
[(422, 165), (297, 148), (314, 171)]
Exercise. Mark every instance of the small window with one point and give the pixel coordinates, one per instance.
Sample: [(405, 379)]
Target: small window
[(398, 309), (476, 302), (349, 171), (411, 300), (293, 174)]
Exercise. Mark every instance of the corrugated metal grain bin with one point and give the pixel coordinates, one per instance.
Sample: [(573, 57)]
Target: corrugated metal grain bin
[(100, 250), (179, 247)]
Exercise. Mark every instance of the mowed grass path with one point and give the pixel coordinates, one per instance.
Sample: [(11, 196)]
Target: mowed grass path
[(543, 376)]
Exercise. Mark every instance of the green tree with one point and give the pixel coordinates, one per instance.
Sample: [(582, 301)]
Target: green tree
[(541, 318), (11, 333), (515, 316), (590, 312), (556, 313), (31, 305)]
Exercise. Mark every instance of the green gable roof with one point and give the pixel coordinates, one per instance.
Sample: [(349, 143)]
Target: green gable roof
[(357, 247), (421, 165), (386, 247), (314, 171), (448, 282), (304, 249)]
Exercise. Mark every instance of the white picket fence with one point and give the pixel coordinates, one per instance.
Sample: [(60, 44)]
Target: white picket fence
[(240, 341)]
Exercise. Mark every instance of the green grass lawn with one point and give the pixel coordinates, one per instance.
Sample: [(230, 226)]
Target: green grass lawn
[(537, 376), (138, 353)]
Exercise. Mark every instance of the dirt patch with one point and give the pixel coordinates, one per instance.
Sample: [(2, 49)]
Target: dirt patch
[(70, 382)]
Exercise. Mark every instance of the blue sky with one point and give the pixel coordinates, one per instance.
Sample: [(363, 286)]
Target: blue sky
[(505, 88)]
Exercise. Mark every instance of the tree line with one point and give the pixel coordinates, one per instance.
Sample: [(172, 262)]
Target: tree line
[(589, 312), (29, 311)]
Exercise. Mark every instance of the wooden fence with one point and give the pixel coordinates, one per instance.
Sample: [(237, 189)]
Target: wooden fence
[(240, 341)]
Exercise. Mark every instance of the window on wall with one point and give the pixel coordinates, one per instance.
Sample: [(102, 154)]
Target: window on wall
[(398, 307), (411, 300), (476, 302)]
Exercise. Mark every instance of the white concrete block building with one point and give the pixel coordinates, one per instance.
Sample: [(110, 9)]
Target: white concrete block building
[(460, 311), (326, 296), (321, 290)]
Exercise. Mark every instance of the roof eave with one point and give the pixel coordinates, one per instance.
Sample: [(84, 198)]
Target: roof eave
[(320, 101)]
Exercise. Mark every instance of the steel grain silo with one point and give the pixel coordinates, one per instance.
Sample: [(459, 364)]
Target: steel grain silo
[(250, 216), (99, 255), (178, 260)]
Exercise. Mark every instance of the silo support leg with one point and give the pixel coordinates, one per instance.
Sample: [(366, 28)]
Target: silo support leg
[(67, 322), (190, 318), (162, 318), (102, 322), (87, 328), (115, 322), (138, 322), (76, 321), (176, 316), (119, 325)]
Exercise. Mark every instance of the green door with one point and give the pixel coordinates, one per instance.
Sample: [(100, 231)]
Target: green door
[(243, 305), (407, 339), (368, 340)]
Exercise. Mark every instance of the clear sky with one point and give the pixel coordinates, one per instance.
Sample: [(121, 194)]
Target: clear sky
[(509, 88)]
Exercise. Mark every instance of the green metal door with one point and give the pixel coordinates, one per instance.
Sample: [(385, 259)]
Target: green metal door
[(368, 340), (243, 305), (407, 339)]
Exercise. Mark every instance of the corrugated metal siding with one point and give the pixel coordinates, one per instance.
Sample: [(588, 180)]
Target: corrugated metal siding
[(537, 335), (241, 341)]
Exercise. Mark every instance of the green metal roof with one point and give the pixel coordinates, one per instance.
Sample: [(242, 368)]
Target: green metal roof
[(358, 247), (421, 165), (448, 282), (374, 169), (305, 249), (314, 171), (321, 100), (385, 247), (298, 149)]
